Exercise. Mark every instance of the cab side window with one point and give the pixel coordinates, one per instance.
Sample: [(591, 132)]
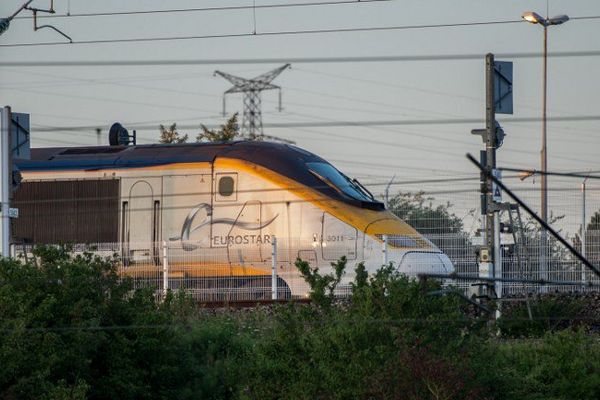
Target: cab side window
[(226, 186)]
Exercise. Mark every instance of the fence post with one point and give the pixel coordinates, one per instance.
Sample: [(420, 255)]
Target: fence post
[(5, 180), (384, 249), (497, 262), (165, 268), (274, 268), (583, 229)]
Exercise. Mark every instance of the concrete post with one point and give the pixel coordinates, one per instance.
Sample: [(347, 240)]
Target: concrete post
[(583, 229), (5, 181), (165, 268), (274, 268), (384, 250)]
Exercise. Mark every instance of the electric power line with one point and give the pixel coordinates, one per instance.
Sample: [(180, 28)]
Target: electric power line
[(363, 123), (271, 33), (206, 9), (293, 60), (275, 33)]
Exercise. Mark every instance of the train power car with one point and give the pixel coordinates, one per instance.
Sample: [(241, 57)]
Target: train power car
[(215, 207)]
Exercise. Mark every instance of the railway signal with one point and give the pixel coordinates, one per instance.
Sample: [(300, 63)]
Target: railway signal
[(498, 100), (14, 144)]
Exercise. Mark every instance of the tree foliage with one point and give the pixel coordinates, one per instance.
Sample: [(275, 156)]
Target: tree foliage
[(170, 135), (594, 224), (322, 286), (418, 210), (72, 328), (229, 131)]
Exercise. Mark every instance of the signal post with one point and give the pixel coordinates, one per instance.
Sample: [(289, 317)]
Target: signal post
[(498, 98), (14, 144), (5, 180)]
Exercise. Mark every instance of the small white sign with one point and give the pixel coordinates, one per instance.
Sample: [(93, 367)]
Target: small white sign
[(13, 212), (477, 241), (507, 239), (485, 269), (496, 192)]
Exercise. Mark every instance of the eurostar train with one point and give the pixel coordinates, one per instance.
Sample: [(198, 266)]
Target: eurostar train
[(217, 207)]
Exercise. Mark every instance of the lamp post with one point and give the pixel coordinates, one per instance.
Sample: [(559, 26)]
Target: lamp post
[(535, 18)]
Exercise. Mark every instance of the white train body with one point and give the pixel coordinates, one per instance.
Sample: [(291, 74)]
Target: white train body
[(217, 208)]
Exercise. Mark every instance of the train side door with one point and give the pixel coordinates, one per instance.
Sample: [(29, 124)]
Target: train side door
[(187, 211), (338, 239), (241, 222), (140, 223)]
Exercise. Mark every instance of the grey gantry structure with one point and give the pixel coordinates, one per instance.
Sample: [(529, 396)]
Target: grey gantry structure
[(252, 88)]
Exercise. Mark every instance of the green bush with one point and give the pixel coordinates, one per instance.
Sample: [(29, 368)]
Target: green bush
[(559, 365), (543, 314), (72, 329), (352, 350)]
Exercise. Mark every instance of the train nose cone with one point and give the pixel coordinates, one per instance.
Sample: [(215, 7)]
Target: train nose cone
[(414, 263)]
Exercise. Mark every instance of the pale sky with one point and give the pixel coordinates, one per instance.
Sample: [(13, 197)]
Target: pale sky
[(317, 92)]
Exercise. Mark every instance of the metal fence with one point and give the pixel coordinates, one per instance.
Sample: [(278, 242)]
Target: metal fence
[(446, 211), (269, 271)]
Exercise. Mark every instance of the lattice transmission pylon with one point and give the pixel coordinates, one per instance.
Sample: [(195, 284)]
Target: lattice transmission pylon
[(252, 88)]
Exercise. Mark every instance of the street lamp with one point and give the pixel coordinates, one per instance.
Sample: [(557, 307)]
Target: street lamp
[(535, 18)]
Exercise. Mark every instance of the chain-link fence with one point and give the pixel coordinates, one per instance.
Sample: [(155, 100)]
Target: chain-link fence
[(445, 211), (451, 219)]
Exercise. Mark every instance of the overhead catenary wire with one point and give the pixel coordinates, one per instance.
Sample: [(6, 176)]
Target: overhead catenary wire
[(113, 100), (94, 81), (553, 173), (194, 93), (297, 126), (388, 84), (207, 9), (294, 60), (207, 193), (357, 123), (81, 130), (529, 211), (279, 33), (266, 33)]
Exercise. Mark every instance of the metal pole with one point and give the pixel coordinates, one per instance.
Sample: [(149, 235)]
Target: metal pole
[(20, 9), (274, 268), (280, 108), (165, 268), (5, 180), (385, 237), (544, 154), (544, 167), (384, 250), (490, 150), (497, 261), (583, 228), (540, 221)]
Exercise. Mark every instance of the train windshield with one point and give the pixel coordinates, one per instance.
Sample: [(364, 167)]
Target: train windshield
[(340, 182)]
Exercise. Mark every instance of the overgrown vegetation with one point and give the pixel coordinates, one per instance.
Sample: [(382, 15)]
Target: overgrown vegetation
[(418, 211), (227, 132), (71, 329)]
